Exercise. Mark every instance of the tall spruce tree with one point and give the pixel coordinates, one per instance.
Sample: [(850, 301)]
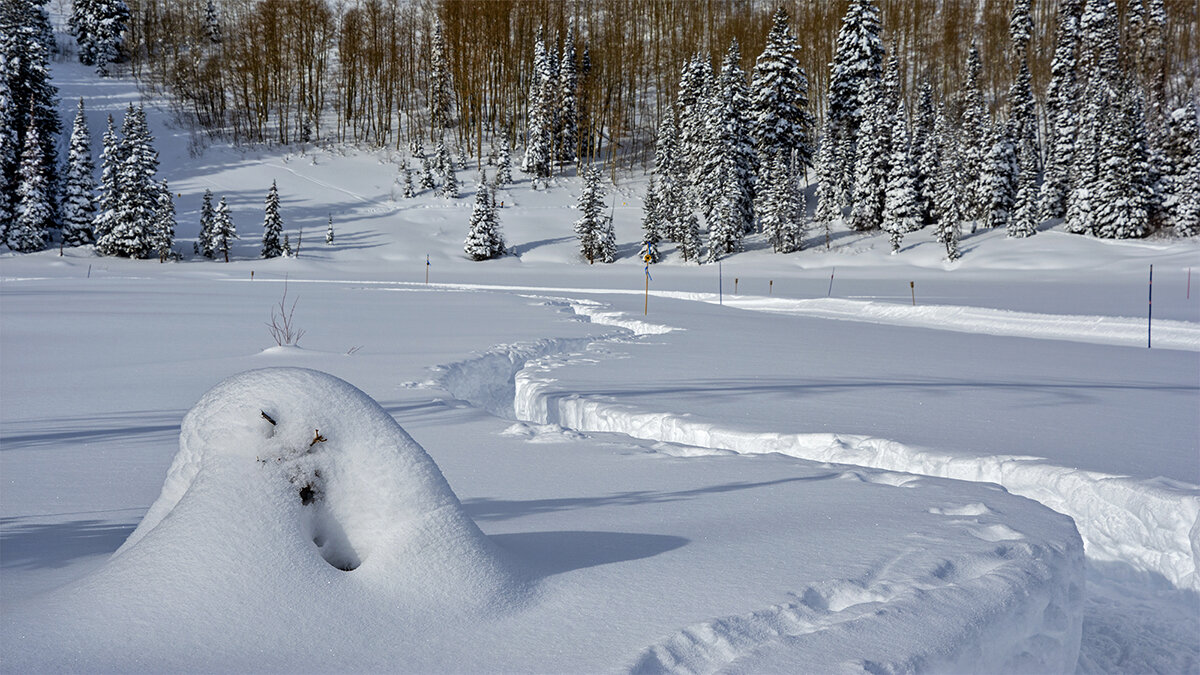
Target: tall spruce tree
[(828, 198), (539, 142), (272, 224), (872, 164), (567, 104), (902, 202), (79, 185), (594, 229), (693, 102), (30, 228), (206, 240), (998, 182), (1023, 222), (924, 151), (162, 237), (224, 231), (130, 234), (26, 40), (1062, 111), (444, 165), (857, 61), (441, 90), (8, 151), (1123, 193), (974, 146), (1181, 154), (779, 117), (109, 196), (728, 164)]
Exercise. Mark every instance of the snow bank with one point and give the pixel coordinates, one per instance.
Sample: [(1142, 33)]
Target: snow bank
[(1151, 526), (1111, 330)]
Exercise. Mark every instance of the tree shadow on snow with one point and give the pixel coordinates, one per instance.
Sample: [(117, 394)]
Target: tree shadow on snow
[(54, 545), (548, 553)]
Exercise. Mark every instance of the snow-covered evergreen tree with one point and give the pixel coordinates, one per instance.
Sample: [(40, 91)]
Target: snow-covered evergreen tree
[(504, 166), (205, 241), (902, 203), (670, 186), (828, 198), (224, 231), (30, 228), (780, 205), (484, 238), (409, 189), (857, 62), (728, 165), (973, 141), (26, 40), (998, 181), (567, 105), (110, 191), (540, 140), (444, 165), (696, 86), (427, 181), (212, 22), (162, 237), (1180, 155), (130, 234), (1123, 193), (1023, 222), (653, 223), (872, 165), (1061, 112), (79, 185), (949, 197), (690, 244), (597, 241), (924, 151), (329, 231), (1024, 121), (272, 223), (441, 90), (779, 117), (99, 28)]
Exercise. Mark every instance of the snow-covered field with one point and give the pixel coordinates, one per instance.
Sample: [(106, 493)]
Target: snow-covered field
[(782, 465)]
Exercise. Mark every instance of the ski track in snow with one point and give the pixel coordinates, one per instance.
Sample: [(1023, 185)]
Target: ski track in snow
[(1153, 526)]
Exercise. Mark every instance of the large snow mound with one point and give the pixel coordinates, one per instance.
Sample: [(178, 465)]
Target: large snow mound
[(293, 492)]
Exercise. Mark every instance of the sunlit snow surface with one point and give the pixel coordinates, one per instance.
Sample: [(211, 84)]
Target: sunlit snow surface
[(686, 490)]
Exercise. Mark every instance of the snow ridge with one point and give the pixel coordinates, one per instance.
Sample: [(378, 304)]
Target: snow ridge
[(1153, 527)]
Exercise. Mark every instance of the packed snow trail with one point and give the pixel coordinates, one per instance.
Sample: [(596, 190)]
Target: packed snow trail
[(1104, 330), (1153, 526)]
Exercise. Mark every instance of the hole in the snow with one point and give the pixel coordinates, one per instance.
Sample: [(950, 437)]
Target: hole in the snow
[(307, 494)]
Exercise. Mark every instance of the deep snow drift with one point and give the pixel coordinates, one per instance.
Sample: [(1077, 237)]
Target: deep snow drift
[(300, 527)]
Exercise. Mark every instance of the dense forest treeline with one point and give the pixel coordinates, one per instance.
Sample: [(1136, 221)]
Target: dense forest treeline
[(360, 71)]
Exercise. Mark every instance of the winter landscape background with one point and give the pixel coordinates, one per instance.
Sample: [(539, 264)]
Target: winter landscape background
[(839, 458)]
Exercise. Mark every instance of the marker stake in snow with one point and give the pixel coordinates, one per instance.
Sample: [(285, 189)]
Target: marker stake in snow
[(735, 283), (830, 291), (1189, 286), (770, 287), (720, 285), (646, 311), (427, 268), (1150, 307), (912, 286)]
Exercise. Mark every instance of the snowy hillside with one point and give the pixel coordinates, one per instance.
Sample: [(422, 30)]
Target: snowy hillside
[(831, 460)]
